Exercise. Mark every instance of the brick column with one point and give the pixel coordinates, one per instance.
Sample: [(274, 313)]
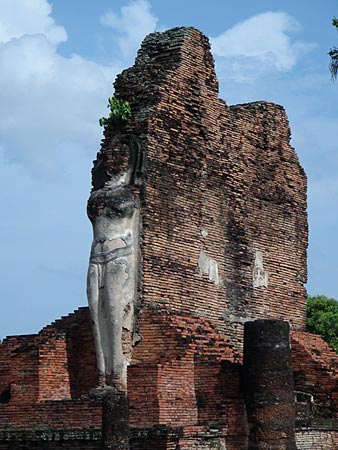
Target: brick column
[(268, 385)]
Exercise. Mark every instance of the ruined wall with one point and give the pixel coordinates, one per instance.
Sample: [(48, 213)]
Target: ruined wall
[(46, 366), (19, 369), (315, 367), (42, 378), (224, 192), (185, 390), (323, 439), (223, 240), (185, 377)]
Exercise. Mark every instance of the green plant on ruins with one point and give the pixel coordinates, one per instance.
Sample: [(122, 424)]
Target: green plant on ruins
[(333, 53), (322, 318), (119, 112)]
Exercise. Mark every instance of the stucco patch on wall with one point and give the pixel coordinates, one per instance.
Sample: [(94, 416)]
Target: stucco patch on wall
[(259, 276), (208, 266)]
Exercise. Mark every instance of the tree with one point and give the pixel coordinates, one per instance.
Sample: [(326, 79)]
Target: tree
[(333, 53), (322, 318)]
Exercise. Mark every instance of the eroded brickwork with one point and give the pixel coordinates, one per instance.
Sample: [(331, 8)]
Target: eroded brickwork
[(222, 183), (223, 240), (56, 364), (186, 359), (315, 367), (43, 377), (184, 388), (323, 439)]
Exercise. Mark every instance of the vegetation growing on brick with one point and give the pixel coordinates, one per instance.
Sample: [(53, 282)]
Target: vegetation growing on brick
[(119, 112)]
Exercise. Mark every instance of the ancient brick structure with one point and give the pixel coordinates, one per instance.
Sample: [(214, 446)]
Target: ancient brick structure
[(223, 238), (223, 190)]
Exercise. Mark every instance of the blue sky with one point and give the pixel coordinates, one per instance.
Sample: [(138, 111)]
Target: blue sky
[(58, 60)]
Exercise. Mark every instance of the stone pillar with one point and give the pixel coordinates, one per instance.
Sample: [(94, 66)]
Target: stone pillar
[(115, 420), (268, 385)]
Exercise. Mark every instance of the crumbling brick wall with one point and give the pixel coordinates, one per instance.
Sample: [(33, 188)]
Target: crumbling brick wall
[(184, 377), (315, 367), (322, 439), (43, 377), (46, 366), (185, 360), (223, 183)]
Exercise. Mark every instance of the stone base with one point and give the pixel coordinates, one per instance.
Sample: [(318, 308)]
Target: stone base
[(115, 415)]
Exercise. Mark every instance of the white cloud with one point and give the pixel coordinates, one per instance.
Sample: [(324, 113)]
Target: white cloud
[(258, 45), (134, 22), (50, 104), (25, 17)]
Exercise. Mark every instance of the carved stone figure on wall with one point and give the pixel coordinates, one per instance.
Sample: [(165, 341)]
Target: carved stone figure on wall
[(114, 211)]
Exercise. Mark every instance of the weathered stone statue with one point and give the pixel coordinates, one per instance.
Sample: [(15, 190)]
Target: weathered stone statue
[(113, 209)]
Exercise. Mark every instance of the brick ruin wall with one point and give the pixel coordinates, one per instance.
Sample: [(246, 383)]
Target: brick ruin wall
[(190, 388), (190, 381), (223, 185)]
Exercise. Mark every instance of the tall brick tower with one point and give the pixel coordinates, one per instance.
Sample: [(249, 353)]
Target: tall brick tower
[(223, 211)]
